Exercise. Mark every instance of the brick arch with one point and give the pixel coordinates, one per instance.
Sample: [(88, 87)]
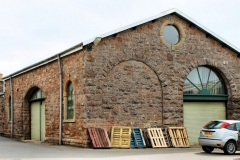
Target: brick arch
[(230, 82), (30, 92), (111, 64), (26, 112), (132, 95), (218, 67)]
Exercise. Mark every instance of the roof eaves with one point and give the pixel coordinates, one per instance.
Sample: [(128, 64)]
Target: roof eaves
[(210, 33), (130, 26), (171, 11), (46, 61), (80, 46)]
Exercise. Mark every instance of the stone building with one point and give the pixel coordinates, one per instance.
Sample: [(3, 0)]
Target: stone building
[(167, 70), (1, 101)]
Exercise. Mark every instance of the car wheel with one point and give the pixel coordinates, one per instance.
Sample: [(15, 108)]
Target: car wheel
[(207, 149), (230, 147)]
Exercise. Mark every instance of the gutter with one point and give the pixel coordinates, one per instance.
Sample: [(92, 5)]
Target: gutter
[(208, 33), (45, 61), (36, 65), (60, 98), (171, 11), (191, 22)]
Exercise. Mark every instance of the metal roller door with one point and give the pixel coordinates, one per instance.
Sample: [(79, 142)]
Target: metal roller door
[(197, 114)]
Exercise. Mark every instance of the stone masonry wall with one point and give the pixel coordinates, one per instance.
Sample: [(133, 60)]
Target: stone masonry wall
[(1, 84), (140, 80), (47, 79), (1, 114), (129, 79), (75, 133), (1, 105)]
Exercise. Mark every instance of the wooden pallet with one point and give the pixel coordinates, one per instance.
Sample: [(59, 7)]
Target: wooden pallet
[(99, 138), (179, 136), (167, 137), (137, 139), (157, 137), (146, 138), (120, 137)]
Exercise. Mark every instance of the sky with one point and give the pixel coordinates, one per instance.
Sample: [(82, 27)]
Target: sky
[(33, 30)]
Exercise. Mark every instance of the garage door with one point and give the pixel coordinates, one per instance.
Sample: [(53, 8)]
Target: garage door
[(37, 121), (197, 114)]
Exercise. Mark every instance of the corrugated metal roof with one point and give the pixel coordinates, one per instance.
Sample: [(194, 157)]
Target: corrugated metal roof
[(171, 11)]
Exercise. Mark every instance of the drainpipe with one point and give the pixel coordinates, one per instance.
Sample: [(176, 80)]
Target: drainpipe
[(60, 121), (162, 105), (12, 110)]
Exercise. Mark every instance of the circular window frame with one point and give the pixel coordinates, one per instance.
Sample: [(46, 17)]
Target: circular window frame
[(181, 33)]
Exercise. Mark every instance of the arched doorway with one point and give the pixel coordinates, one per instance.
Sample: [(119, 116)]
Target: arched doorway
[(37, 111), (205, 99)]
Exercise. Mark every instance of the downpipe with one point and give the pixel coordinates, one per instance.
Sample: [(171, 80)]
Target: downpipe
[(12, 107), (60, 120)]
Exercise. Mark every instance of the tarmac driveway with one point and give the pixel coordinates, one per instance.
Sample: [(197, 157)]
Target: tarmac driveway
[(11, 149)]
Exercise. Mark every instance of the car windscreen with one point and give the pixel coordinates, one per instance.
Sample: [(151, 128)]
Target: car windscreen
[(215, 125)]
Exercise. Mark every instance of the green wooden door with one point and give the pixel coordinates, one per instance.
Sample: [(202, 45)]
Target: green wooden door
[(38, 121)]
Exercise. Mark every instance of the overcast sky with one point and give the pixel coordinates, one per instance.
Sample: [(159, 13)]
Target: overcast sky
[(33, 30)]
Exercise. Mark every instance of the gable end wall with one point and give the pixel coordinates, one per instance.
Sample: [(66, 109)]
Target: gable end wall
[(131, 79)]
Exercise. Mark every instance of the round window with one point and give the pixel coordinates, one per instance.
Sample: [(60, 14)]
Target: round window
[(171, 34)]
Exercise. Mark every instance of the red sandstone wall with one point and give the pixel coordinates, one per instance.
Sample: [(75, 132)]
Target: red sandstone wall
[(137, 76), (47, 79), (1, 107), (75, 133), (132, 79)]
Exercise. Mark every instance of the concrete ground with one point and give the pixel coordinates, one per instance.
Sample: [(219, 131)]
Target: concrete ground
[(11, 149)]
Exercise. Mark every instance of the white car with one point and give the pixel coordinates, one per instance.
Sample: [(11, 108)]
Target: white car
[(222, 134)]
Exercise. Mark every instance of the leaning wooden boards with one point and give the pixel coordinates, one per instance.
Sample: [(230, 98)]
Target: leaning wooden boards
[(126, 137), (99, 138), (178, 136), (120, 137), (137, 139), (157, 137)]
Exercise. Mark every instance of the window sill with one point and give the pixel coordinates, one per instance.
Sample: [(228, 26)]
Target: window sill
[(69, 120)]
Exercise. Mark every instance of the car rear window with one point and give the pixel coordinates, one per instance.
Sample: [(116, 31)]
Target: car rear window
[(216, 125)]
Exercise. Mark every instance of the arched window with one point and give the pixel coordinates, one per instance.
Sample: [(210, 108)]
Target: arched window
[(37, 94), (70, 102), (204, 82)]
